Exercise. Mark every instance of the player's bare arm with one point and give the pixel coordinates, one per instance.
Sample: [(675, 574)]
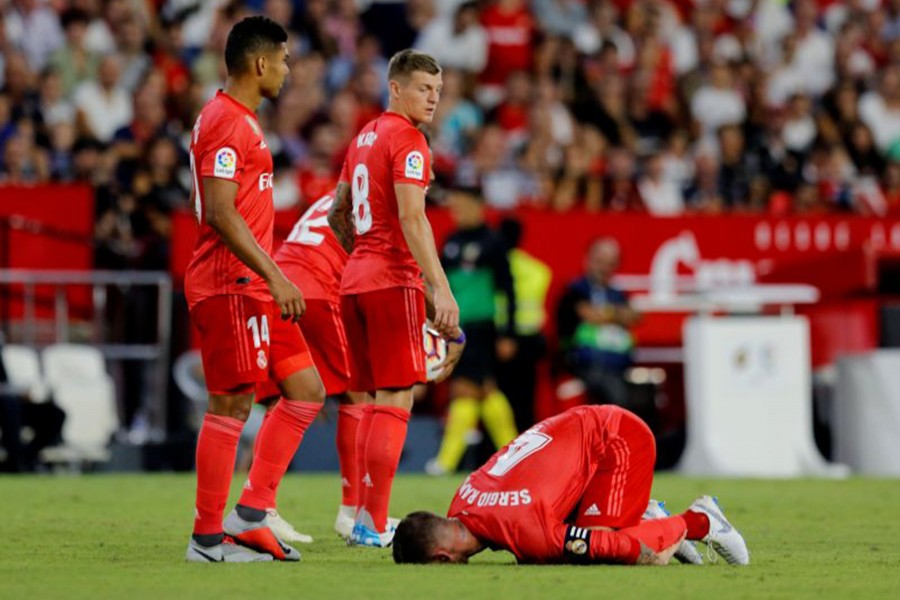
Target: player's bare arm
[(454, 353), (340, 217), (661, 558), (455, 344), (224, 218), (420, 239)]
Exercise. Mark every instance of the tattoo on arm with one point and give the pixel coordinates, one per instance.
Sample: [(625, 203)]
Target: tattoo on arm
[(340, 217)]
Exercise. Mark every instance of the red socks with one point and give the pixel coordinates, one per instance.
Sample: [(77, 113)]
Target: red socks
[(362, 438), (385, 443), (349, 416), (697, 524), (216, 449), (279, 439)]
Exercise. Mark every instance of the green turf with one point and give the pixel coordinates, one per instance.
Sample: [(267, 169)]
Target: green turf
[(124, 537)]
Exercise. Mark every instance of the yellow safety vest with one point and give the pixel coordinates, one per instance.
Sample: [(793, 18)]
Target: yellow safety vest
[(531, 281)]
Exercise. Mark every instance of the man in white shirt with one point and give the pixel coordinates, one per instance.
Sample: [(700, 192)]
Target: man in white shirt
[(457, 41), (103, 105)]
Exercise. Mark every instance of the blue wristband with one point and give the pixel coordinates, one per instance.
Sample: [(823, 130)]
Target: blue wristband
[(461, 339)]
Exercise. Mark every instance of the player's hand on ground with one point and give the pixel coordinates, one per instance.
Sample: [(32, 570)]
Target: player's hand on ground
[(288, 297), (661, 558), (454, 353), (506, 349), (446, 312)]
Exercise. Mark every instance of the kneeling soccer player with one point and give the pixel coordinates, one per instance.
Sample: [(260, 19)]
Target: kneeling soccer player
[(572, 489)]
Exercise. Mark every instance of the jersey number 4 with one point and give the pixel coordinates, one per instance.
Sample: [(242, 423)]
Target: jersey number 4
[(519, 449), (359, 191)]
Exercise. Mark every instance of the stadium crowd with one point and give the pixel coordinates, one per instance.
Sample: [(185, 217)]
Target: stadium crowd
[(663, 106)]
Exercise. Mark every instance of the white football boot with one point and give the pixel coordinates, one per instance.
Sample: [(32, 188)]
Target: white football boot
[(346, 519), (722, 537), (343, 522), (284, 530)]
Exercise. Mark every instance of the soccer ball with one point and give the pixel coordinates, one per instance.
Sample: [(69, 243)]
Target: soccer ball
[(435, 347)]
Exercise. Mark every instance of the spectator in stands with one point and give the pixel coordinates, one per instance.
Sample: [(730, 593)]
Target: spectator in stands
[(511, 33), (35, 28), (103, 105), (593, 320), (560, 17), (513, 113), (620, 190), (602, 30), (717, 103), (457, 40), (131, 40), (737, 175), (607, 110), (814, 57), (491, 166), (23, 162), (21, 87), (880, 109), (580, 179), (661, 195), (704, 195), (456, 121), (54, 105), (73, 61)]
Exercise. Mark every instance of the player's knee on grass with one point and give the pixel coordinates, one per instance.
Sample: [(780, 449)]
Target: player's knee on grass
[(416, 537)]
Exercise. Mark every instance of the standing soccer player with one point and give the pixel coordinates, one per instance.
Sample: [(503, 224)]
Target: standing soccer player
[(243, 306), (313, 259), (385, 176)]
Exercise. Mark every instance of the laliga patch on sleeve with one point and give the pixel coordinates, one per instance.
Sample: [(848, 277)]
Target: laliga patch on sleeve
[(415, 165), (226, 163)]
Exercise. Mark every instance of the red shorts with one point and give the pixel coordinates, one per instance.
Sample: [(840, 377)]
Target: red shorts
[(385, 332), (244, 341), (324, 333), (619, 489)]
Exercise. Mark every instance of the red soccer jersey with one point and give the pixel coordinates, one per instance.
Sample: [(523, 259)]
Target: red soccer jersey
[(522, 497), (387, 151), (510, 36), (227, 143), (312, 257)]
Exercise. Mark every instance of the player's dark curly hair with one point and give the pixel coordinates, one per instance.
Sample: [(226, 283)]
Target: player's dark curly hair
[(249, 37), (414, 539)]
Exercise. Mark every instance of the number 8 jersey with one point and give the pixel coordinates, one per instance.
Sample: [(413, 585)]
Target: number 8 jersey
[(387, 151)]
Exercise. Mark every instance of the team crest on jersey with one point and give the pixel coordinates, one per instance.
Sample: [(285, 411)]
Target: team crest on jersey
[(226, 162), (261, 361), (415, 165)]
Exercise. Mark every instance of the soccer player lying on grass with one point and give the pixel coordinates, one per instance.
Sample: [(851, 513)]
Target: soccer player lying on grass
[(572, 489)]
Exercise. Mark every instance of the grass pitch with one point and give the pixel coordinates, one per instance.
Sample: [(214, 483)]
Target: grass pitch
[(124, 537)]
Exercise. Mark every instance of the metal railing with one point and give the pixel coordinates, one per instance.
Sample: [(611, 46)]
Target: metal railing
[(99, 282)]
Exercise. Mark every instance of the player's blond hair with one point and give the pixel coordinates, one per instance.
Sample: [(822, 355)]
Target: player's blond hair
[(406, 62)]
